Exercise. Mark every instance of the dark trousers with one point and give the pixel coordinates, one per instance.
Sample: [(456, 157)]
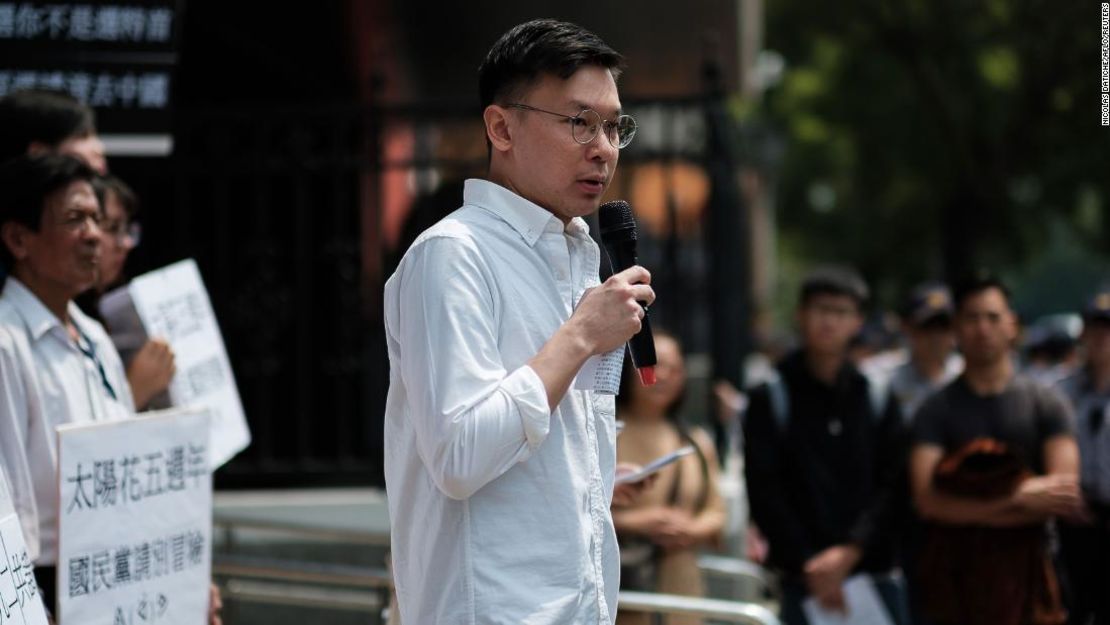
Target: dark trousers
[(1085, 560), (891, 591), (47, 577)]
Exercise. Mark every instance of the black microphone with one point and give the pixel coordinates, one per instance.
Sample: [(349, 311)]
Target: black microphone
[(618, 235)]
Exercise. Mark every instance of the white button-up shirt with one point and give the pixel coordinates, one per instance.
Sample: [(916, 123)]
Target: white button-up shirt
[(1092, 433), (911, 388), (46, 381), (499, 507)]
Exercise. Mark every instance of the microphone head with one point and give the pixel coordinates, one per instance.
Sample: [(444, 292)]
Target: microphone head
[(616, 216)]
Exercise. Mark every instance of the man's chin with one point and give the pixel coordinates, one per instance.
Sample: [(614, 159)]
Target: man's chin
[(86, 281)]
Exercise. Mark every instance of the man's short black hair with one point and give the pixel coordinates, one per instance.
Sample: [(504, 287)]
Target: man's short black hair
[(977, 283), (49, 117), (27, 181), (543, 46), (834, 280)]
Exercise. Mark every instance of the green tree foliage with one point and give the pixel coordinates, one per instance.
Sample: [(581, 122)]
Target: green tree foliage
[(929, 137)]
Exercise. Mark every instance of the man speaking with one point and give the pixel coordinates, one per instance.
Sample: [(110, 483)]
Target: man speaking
[(499, 466)]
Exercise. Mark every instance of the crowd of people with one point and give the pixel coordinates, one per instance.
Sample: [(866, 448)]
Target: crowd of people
[(966, 484), (66, 228)]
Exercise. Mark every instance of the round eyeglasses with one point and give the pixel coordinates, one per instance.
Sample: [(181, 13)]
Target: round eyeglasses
[(587, 123), (124, 233)]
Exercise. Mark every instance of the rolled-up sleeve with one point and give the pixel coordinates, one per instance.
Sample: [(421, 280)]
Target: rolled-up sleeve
[(473, 417)]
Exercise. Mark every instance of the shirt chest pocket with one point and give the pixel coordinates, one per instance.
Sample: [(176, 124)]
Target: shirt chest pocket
[(604, 405)]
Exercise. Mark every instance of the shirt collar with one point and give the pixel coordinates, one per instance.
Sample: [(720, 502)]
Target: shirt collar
[(529, 219), (35, 314)]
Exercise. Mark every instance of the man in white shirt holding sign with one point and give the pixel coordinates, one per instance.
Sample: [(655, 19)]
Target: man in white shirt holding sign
[(57, 365), (499, 466)]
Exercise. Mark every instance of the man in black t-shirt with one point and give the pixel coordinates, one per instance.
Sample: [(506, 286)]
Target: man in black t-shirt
[(991, 401)]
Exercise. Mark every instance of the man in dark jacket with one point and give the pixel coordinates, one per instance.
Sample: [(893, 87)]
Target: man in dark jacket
[(824, 459)]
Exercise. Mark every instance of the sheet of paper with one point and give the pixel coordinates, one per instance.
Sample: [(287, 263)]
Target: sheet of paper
[(172, 304), (863, 602), (135, 521), (20, 601), (655, 465), (601, 373)]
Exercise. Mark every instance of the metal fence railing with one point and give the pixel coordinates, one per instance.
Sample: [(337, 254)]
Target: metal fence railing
[(324, 553), (367, 590)]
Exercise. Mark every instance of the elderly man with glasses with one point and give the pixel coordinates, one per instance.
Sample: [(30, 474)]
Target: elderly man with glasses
[(57, 365), (500, 469)]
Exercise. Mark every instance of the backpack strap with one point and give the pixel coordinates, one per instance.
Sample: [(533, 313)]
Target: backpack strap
[(780, 402), (878, 389)]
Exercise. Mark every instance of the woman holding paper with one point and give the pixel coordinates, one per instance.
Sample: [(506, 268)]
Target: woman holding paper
[(150, 367), (682, 510)]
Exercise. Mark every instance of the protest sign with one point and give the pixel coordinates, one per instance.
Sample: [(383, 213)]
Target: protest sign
[(135, 520), (20, 602), (172, 304)]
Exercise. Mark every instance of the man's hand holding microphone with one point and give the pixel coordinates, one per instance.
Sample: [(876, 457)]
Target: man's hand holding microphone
[(607, 316)]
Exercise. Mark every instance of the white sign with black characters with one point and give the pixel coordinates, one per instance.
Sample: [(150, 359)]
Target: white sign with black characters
[(135, 521), (172, 304), (20, 601)]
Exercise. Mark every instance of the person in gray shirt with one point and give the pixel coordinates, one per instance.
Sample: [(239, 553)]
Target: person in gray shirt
[(1085, 549), (932, 361)]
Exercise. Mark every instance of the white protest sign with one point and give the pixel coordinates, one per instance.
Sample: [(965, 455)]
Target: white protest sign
[(172, 304), (135, 520), (20, 602)]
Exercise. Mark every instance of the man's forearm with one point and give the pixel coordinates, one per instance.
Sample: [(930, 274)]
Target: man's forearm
[(954, 510), (558, 362)]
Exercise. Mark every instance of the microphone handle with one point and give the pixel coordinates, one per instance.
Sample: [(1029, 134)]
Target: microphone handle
[(642, 345), (622, 255)]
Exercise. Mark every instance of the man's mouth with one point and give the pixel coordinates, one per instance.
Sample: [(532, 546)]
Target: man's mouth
[(592, 184)]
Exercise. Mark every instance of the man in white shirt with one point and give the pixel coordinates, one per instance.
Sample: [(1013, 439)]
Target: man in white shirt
[(57, 365), (499, 469)]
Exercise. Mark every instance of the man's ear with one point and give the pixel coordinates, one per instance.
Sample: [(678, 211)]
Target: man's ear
[(497, 127), (1013, 325), (14, 236)]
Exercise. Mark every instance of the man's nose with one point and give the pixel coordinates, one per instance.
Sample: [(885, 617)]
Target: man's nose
[(92, 230), (602, 149)]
